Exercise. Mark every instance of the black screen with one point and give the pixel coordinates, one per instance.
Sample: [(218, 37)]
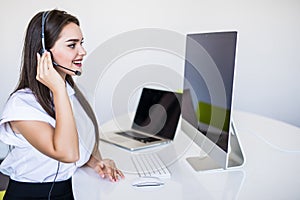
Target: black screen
[(158, 112), (208, 84)]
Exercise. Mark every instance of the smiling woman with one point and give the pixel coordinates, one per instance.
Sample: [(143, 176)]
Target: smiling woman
[(38, 119), (68, 49)]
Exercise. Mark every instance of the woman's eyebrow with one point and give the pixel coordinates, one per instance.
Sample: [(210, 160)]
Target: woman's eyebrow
[(72, 40)]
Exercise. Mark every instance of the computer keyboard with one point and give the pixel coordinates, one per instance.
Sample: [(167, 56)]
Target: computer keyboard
[(150, 164)]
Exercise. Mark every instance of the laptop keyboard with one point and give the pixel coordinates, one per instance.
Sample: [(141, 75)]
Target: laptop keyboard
[(150, 165), (138, 137)]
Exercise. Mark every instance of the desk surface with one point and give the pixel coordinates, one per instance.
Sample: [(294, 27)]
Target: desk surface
[(271, 170)]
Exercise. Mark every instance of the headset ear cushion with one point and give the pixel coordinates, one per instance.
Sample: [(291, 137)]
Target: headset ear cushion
[(41, 51)]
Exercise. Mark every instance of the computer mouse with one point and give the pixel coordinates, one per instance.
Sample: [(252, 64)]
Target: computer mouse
[(147, 181)]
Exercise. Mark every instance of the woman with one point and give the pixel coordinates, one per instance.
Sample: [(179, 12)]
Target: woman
[(38, 120)]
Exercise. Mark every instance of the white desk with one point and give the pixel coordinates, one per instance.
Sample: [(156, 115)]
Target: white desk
[(271, 171)]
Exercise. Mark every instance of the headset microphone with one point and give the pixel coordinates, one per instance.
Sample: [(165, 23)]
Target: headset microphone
[(45, 14), (76, 72)]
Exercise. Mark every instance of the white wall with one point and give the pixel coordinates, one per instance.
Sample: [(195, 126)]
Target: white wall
[(268, 61)]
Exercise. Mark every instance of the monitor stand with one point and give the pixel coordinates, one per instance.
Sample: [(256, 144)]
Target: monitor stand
[(235, 157), (204, 163)]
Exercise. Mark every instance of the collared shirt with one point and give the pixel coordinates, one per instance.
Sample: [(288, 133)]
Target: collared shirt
[(24, 162)]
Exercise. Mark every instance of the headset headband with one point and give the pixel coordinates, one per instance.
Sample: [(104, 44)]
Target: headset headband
[(44, 17)]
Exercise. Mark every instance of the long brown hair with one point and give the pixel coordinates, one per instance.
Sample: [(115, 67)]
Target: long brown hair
[(55, 22)]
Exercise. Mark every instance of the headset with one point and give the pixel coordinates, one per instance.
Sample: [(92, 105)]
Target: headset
[(43, 50)]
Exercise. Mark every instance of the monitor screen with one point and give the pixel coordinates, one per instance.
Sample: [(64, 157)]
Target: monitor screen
[(208, 84)]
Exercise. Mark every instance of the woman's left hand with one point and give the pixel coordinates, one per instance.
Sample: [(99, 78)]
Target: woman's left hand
[(106, 168)]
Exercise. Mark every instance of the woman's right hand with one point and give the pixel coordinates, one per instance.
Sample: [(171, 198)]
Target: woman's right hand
[(46, 73), (60, 142)]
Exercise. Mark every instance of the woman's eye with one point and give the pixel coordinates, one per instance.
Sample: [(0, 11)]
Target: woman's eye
[(72, 46)]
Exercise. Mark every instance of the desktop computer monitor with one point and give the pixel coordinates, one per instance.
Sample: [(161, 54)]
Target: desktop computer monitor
[(207, 100)]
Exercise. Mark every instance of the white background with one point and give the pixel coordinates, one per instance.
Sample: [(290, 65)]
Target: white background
[(268, 57)]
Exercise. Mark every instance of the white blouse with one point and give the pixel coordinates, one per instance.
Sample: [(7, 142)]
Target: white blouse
[(25, 163)]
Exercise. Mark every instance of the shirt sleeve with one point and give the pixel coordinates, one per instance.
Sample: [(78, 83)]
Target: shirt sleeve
[(22, 105)]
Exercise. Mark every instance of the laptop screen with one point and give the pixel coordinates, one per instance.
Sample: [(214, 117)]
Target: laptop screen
[(158, 113)]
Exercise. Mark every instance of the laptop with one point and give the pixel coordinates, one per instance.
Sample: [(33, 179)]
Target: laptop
[(155, 121)]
